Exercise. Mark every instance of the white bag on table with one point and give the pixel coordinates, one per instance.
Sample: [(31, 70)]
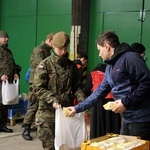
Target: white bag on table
[(70, 132), (10, 92)]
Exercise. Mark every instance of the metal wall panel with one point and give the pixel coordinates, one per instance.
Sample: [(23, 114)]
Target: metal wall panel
[(28, 22), (18, 7), (146, 35), (124, 18), (18, 18), (54, 7), (96, 24), (115, 5), (125, 24)]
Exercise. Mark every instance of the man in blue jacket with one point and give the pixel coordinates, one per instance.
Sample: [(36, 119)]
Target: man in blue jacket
[(128, 78)]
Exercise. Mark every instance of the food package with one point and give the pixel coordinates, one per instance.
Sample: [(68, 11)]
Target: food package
[(66, 111), (109, 105), (115, 142)]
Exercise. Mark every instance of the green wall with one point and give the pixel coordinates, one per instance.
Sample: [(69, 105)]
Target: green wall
[(29, 21), (122, 17)]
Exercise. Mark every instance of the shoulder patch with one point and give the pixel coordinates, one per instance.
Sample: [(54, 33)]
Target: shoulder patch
[(40, 66), (40, 50)]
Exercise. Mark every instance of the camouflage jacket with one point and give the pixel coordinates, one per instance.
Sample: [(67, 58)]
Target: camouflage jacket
[(38, 54), (7, 64), (57, 80)]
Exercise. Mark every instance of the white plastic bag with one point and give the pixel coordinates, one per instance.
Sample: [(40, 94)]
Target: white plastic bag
[(70, 132), (10, 92)]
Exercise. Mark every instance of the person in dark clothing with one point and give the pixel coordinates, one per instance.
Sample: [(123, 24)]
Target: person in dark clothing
[(81, 63), (139, 48), (9, 70), (128, 78), (101, 121), (79, 66)]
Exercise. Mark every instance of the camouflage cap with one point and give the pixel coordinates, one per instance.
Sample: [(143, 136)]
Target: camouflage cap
[(60, 40), (50, 36), (3, 34)]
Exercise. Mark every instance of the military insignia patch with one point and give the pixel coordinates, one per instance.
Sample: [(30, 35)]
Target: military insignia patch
[(40, 67)]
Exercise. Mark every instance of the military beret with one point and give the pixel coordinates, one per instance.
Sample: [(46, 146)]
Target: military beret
[(50, 36), (3, 34), (60, 40), (138, 48)]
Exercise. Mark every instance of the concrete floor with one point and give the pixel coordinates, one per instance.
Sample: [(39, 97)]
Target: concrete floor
[(14, 141)]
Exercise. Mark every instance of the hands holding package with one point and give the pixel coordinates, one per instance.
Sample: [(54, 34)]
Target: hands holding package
[(116, 107), (68, 112)]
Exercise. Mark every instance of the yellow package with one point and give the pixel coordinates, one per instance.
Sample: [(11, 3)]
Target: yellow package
[(66, 111), (109, 105)]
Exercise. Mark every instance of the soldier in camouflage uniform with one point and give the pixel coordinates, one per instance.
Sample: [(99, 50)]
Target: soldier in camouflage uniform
[(56, 82), (38, 54), (8, 71)]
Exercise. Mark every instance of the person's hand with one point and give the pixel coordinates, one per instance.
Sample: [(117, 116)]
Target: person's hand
[(16, 77), (72, 111), (119, 107), (4, 78), (56, 105)]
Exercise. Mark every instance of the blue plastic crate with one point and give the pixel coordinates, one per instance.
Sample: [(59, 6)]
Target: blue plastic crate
[(22, 104), (26, 104), (19, 105), (17, 113)]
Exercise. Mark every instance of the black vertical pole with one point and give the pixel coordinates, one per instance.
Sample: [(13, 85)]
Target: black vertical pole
[(80, 17), (76, 21), (85, 17)]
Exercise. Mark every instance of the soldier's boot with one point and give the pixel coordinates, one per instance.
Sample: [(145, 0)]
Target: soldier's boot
[(26, 133)]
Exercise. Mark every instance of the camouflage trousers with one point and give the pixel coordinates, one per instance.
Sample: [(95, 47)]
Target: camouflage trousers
[(29, 117), (46, 133)]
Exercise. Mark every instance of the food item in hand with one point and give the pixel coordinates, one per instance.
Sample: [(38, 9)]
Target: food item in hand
[(66, 111), (109, 105)]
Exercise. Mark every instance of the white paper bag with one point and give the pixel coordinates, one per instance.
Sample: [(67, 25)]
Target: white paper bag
[(70, 132), (10, 92)]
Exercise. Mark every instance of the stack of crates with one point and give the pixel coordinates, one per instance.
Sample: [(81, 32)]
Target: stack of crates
[(17, 111)]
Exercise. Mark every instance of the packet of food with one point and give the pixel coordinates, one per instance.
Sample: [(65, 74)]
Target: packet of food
[(66, 111), (109, 105)]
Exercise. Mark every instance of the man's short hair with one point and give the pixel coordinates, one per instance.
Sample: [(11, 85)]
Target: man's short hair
[(110, 37)]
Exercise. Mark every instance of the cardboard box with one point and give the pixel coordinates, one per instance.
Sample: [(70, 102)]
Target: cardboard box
[(86, 144)]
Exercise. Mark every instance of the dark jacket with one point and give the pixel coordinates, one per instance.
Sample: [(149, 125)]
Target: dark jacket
[(79, 66), (128, 78)]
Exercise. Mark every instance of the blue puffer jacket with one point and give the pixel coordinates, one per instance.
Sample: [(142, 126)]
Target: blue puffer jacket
[(128, 78)]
